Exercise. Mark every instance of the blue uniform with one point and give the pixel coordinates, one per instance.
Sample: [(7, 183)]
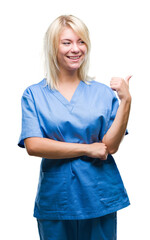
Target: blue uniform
[(103, 228), (73, 188)]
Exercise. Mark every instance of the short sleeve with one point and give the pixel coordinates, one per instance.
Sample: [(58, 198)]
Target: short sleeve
[(112, 115), (30, 122)]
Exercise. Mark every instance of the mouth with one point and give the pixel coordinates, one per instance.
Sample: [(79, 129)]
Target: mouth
[(74, 57)]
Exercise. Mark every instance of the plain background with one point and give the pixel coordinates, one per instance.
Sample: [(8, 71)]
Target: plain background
[(120, 39)]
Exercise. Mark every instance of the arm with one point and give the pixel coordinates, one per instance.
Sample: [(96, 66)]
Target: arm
[(36, 145), (52, 149), (114, 135)]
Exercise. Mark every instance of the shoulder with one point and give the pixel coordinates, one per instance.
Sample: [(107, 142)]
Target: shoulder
[(101, 88), (34, 88)]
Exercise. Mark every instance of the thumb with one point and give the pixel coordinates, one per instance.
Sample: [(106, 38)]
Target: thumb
[(128, 78)]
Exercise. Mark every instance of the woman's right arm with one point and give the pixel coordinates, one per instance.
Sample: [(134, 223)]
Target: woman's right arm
[(52, 149)]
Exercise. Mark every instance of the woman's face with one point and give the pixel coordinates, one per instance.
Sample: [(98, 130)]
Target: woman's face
[(71, 50)]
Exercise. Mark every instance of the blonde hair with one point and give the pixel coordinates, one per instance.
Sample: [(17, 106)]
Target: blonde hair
[(51, 43)]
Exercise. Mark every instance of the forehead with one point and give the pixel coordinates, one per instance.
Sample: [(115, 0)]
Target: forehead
[(68, 33)]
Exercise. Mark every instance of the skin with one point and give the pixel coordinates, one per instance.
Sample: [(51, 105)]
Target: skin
[(114, 135), (71, 46)]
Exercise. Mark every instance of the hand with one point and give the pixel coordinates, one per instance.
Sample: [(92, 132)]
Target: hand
[(97, 150), (121, 86)]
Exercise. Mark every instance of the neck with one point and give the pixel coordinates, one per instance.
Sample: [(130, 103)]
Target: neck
[(68, 76)]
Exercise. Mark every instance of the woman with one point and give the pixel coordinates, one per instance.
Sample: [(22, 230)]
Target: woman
[(75, 123)]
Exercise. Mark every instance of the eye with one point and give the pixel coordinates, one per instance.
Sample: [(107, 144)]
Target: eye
[(66, 43), (81, 42)]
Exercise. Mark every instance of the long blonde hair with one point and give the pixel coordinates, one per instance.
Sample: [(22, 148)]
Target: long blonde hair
[(51, 43)]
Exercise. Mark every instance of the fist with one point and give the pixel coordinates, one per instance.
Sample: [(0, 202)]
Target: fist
[(97, 150), (121, 86)]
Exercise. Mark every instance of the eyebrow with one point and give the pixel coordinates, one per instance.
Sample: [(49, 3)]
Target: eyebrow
[(65, 39)]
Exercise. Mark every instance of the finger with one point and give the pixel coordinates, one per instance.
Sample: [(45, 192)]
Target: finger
[(104, 158), (114, 86), (128, 78), (115, 78), (115, 83)]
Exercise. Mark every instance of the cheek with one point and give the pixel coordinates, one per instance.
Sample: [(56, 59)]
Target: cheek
[(84, 50), (60, 55)]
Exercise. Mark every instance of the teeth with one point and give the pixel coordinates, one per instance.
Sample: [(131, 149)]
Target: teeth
[(74, 57)]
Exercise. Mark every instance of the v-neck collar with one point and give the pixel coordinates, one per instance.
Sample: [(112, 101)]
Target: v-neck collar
[(69, 104)]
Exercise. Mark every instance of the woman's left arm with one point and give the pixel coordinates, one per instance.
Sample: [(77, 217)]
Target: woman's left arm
[(114, 135)]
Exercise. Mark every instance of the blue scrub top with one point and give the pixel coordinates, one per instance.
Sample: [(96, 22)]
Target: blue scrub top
[(81, 187)]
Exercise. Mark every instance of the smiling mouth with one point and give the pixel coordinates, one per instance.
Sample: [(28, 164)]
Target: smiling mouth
[(74, 57)]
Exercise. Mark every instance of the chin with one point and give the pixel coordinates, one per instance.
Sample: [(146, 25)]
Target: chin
[(74, 69)]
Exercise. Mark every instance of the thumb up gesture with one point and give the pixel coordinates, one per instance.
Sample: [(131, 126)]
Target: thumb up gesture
[(121, 86)]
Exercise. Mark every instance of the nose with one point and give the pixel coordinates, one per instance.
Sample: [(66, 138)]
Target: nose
[(75, 48)]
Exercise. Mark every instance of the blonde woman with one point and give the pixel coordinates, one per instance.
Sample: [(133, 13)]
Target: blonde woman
[(75, 123)]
